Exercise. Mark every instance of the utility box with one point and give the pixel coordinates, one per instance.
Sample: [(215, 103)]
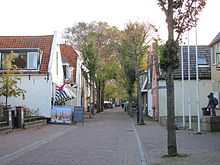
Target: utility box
[(78, 115)]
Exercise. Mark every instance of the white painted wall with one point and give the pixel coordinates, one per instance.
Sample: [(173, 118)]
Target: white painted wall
[(205, 87), (149, 106), (78, 80), (39, 89), (38, 94), (55, 67)]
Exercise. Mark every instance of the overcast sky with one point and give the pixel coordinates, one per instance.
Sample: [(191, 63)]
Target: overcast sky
[(37, 17)]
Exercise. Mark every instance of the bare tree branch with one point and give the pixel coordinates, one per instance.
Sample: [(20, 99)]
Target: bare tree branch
[(162, 4)]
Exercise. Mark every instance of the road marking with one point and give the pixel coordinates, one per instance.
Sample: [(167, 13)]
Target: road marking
[(35, 145), (140, 146)]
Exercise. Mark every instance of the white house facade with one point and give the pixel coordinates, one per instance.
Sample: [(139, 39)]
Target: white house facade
[(40, 70), (74, 72)]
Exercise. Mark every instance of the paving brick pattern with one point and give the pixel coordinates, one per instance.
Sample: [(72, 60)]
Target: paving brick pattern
[(108, 139), (201, 149)]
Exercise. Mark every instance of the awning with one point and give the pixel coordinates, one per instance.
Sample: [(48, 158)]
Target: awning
[(63, 94), (69, 92), (144, 86)]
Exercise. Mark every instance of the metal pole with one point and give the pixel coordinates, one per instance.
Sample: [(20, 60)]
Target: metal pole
[(189, 100), (188, 57), (183, 93), (197, 84)]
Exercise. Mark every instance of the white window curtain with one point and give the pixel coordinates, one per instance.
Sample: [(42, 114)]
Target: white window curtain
[(33, 60), (69, 72)]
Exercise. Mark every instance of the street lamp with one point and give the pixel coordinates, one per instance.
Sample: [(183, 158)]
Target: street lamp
[(197, 81)]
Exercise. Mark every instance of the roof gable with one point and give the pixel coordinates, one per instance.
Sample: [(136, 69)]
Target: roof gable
[(215, 40), (44, 43), (69, 55)]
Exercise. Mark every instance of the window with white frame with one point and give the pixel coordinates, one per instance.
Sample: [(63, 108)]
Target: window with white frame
[(33, 60), (218, 57), (22, 59), (67, 72), (216, 52)]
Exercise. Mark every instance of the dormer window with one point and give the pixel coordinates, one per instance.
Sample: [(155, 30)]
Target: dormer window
[(25, 59)]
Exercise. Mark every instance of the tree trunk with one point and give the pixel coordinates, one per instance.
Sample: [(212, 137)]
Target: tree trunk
[(6, 97), (171, 126), (137, 101), (102, 95), (145, 104), (90, 98), (93, 94), (6, 102), (129, 104), (140, 118), (141, 107), (98, 97)]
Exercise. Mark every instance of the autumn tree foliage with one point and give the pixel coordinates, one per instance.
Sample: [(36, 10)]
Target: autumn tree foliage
[(133, 48), (9, 80)]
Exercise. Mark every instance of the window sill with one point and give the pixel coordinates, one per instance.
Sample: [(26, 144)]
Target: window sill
[(22, 71), (203, 66)]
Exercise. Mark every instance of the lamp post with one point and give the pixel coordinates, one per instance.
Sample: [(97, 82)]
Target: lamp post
[(197, 80), (182, 85), (197, 86), (189, 99)]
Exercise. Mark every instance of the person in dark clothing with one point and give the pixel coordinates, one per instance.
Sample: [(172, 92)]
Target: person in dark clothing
[(213, 102), (122, 105)]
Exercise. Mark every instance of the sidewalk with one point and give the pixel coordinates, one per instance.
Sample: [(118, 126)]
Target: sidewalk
[(201, 149)]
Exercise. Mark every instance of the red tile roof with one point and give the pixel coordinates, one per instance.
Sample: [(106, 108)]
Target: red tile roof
[(44, 43), (70, 55)]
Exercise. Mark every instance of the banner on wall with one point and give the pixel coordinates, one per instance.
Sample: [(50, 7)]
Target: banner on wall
[(62, 114)]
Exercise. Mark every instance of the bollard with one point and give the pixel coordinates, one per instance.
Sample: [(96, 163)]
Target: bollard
[(20, 117), (10, 119)]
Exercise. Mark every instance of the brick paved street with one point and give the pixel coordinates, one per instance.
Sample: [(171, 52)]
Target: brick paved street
[(108, 139), (201, 149)]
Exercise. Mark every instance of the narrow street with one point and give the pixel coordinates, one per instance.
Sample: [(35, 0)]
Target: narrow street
[(108, 139)]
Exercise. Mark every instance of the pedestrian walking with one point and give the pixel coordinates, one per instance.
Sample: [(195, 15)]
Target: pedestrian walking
[(213, 102)]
